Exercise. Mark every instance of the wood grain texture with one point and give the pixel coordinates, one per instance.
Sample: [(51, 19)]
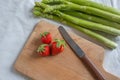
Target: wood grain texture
[(65, 66)]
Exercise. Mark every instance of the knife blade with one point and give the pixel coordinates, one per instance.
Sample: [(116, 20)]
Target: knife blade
[(80, 53)]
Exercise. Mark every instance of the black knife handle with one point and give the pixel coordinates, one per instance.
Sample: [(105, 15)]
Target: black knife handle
[(94, 69)]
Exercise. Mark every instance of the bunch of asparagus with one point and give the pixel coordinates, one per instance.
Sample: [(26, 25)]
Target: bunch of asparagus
[(84, 15)]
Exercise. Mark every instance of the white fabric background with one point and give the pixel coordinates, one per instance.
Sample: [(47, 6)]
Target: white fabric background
[(16, 24)]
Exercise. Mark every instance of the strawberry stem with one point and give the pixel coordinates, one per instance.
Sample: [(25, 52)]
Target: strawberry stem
[(60, 43), (41, 48), (44, 34)]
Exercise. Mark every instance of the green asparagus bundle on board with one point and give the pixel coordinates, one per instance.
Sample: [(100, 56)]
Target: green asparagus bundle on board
[(84, 15)]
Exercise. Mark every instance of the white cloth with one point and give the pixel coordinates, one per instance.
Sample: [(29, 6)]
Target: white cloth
[(16, 24)]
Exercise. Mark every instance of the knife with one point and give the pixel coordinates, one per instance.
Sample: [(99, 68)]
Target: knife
[(79, 52)]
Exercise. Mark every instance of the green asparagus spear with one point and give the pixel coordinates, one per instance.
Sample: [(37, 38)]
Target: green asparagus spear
[(52, 1), (94, 35), (84, 23), (88, 24), (92, 18), (82, 15), (89, 10), (96, 5), (87, 3)]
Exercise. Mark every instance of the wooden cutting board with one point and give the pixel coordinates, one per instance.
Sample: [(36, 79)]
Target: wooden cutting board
[(65, 66)]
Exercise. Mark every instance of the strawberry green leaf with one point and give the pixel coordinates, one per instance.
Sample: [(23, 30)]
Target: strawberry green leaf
[(41, 48), (60, 43), (44, 34)]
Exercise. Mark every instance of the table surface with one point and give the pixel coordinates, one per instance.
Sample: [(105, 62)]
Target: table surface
[(16, 24)]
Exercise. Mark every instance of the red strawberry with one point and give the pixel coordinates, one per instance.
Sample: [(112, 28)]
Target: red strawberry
[(43, 50), (57, 46), (46, 37)]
